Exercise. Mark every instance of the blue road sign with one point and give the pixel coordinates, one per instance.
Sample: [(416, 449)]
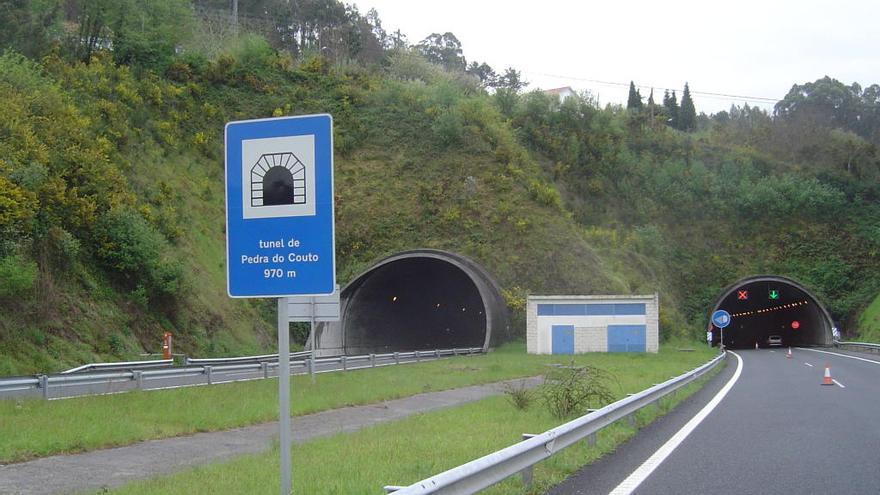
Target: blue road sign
[(721, 318), (279, 207)]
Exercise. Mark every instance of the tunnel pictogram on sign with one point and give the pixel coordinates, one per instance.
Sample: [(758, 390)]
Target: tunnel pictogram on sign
[(278, 179)]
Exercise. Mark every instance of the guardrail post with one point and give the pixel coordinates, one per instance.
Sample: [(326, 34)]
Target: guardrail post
[(396, 358), (208, 373), (265, 367), (138, 377), (344, 363), (529, 472), (591, 440), (372, 360), (310, 365), (417, 356), (437, 353), (631, 419), (454, 351), (44, 385)]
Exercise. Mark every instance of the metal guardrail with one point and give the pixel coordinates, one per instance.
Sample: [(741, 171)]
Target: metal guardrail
[(128, 365), (114, 381), (859, 346), (520, 457), (244, 359)]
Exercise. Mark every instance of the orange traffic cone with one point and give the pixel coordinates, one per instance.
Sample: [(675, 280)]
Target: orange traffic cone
[(827, 380), (789, 353)]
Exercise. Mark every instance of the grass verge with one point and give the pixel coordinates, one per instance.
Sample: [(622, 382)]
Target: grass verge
[(869, 322), (415, 448), (35, 428)]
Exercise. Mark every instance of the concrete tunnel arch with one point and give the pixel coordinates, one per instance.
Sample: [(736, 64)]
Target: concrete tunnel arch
[(417, 300), (757, 314)]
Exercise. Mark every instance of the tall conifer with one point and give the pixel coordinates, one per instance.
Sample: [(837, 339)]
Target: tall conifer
[(634, 102), (687, 118)]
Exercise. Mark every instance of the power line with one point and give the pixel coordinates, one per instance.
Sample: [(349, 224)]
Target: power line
[(707, 94)]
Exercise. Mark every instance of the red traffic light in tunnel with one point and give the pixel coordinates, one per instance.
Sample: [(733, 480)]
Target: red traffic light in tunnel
[(795, 324)]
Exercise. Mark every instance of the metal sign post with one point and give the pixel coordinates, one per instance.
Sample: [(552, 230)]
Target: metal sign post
[(284, 394), (314, 309), (280, 231), (721, 319)]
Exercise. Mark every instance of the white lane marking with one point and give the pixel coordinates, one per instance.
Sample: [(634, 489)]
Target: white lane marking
[(841, 355), (641, 473), (838, 383), (771, 350), (808, 364)]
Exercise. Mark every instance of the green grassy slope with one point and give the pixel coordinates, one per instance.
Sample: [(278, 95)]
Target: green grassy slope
[(869, 322), (401, 183), (111, 199)]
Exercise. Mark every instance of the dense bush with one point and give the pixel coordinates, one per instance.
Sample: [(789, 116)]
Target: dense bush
[(134, 250), (17, 276), (571, 390)]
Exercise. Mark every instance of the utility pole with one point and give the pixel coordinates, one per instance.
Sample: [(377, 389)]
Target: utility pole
[(235, 15)]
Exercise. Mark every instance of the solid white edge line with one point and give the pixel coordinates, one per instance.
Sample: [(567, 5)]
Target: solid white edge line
[(838, 383), (841, 355), (641, 473)]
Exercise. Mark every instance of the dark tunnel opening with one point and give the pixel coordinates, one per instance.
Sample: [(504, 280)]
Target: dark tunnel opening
[(772, 311), (414, 303)]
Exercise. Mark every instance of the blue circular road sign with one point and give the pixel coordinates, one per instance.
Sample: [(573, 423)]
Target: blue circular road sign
[(721, 318)]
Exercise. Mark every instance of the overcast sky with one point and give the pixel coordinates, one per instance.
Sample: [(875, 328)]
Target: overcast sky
[(749, 48)]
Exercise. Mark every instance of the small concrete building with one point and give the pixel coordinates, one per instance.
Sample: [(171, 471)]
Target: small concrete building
[(578, 324)]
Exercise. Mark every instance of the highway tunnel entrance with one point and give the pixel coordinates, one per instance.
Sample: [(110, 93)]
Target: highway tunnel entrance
[(764, 308), (417, 300)]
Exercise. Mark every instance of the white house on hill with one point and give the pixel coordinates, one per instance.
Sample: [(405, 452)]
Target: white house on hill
[(562, 93)]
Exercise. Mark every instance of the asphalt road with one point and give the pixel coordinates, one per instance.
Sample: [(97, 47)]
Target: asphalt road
[(778, 430)]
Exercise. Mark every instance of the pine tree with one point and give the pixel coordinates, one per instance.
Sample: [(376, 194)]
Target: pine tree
[(687, 118), (634, 102), (670, 106)]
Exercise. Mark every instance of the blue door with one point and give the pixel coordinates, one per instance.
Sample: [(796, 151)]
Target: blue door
[(563, 339), (626, 338)]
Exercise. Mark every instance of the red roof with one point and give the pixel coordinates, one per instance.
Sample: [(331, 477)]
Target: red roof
[(557, 91)]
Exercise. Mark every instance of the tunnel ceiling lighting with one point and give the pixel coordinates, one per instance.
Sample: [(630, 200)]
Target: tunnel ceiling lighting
[(394, 299)]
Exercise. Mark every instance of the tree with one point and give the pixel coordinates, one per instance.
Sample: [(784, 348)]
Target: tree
[(828, 102), (487, 76), (687, 117), (27, 24), (138, 33), (511, 80), (670, 108), (443, 49), (634, 101)]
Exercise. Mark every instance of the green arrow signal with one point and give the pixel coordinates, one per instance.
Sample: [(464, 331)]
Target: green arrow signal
[(774, 294)]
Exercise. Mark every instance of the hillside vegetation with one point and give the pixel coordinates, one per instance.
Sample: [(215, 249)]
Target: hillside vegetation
[(111, 183)]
